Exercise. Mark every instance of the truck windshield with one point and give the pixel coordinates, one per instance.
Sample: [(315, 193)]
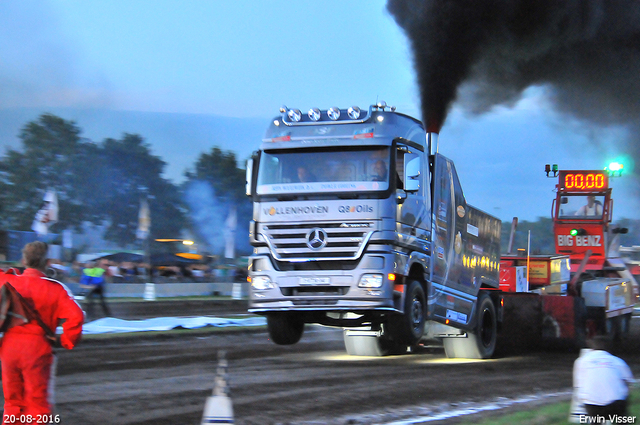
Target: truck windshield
[(581, 207), (358, 170)]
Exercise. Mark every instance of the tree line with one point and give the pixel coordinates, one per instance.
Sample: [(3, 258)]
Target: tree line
[(104, 182), (542, 241)]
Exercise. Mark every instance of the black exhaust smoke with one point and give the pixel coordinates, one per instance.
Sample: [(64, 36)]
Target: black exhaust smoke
[(483, 53)]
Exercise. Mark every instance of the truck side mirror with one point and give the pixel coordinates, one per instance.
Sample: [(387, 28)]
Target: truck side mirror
[(411, 172), (249, 177)]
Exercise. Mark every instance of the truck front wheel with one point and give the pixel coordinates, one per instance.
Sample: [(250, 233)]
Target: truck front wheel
[(408, 328), (285, 328), (481, 343)]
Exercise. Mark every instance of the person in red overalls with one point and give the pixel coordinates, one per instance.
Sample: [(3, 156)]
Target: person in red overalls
[(26, 353)]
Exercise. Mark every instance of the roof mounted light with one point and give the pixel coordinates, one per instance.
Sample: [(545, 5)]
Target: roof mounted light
[(334, 113), (294, 115), (382, 105), (283, 109), (314, 114), (353, 112)]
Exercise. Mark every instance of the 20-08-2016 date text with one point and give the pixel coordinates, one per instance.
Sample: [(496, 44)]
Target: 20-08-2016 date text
[(31, 419)]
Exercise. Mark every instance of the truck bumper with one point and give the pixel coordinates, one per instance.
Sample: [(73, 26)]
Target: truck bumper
[(324, 290)]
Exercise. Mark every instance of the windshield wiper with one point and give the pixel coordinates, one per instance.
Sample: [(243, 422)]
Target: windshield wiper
[(349, 196), (287, 197)]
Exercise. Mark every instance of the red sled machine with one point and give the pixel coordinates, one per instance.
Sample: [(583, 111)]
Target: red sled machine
[(585, 287)]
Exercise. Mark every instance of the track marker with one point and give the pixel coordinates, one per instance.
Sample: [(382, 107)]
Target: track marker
[(218, 408)]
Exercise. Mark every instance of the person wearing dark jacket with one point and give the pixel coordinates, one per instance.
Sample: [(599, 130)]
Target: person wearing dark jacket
[(93, 280)]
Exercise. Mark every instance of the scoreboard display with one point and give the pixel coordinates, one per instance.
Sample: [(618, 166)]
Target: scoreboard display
[(583, 181)]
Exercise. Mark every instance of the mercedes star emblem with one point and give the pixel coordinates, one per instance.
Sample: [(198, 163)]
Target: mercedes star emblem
[(316, 238)]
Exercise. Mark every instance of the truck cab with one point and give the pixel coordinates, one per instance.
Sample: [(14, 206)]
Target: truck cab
[(356, 224), (581, 217)]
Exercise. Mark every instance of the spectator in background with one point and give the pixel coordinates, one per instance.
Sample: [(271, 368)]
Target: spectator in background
[(93, 280), (600, 380), (129, 271), (75, 271), (198, 274), (59, 270), (114, 272), (241, 274)]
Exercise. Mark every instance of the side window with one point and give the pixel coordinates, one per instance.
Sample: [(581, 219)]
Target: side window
[(410, 165), (400, 168)]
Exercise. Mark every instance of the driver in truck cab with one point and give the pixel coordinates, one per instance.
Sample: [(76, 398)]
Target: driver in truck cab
[(379, 171), (593, 208), (304, 175)]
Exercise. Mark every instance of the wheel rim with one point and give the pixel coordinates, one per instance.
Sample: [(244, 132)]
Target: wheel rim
[(486, 333), (417, 313)]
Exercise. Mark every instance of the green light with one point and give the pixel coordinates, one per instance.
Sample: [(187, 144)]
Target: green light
[(619, 164), (574, 232), (615, 166)]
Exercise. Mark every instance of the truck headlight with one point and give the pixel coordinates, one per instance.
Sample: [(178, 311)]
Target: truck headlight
[(261, 283), (370, 281)]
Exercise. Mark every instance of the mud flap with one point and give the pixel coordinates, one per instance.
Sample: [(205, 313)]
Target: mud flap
[(564, 321), (520, 317)]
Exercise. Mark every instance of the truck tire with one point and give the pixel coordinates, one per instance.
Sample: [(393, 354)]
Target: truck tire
[(408, 328), (371, 345), (285, 328), (481, 343)]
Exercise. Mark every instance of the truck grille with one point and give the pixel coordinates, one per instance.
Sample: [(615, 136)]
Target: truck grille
[(317, 241), (314, 291)]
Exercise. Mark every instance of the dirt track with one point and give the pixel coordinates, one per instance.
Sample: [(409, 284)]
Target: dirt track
[(165, 379)]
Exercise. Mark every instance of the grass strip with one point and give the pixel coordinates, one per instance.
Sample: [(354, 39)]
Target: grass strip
[(548, 414)]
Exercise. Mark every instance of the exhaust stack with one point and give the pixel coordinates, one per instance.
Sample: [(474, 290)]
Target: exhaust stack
[(432, 142)]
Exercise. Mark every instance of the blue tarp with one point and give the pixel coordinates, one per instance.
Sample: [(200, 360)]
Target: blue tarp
[(113, 325)]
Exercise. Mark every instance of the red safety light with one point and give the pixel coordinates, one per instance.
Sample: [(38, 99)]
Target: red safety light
[(281, 139), (363, 136)]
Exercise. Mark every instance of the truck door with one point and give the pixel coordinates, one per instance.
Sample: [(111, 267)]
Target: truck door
[(450, 227), (414, 214)]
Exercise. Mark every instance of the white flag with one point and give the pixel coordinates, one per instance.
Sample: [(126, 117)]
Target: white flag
[(144, 220), (230, 233), (47, 214)]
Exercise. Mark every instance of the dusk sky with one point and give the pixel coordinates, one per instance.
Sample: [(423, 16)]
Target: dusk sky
[(245, 58)]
